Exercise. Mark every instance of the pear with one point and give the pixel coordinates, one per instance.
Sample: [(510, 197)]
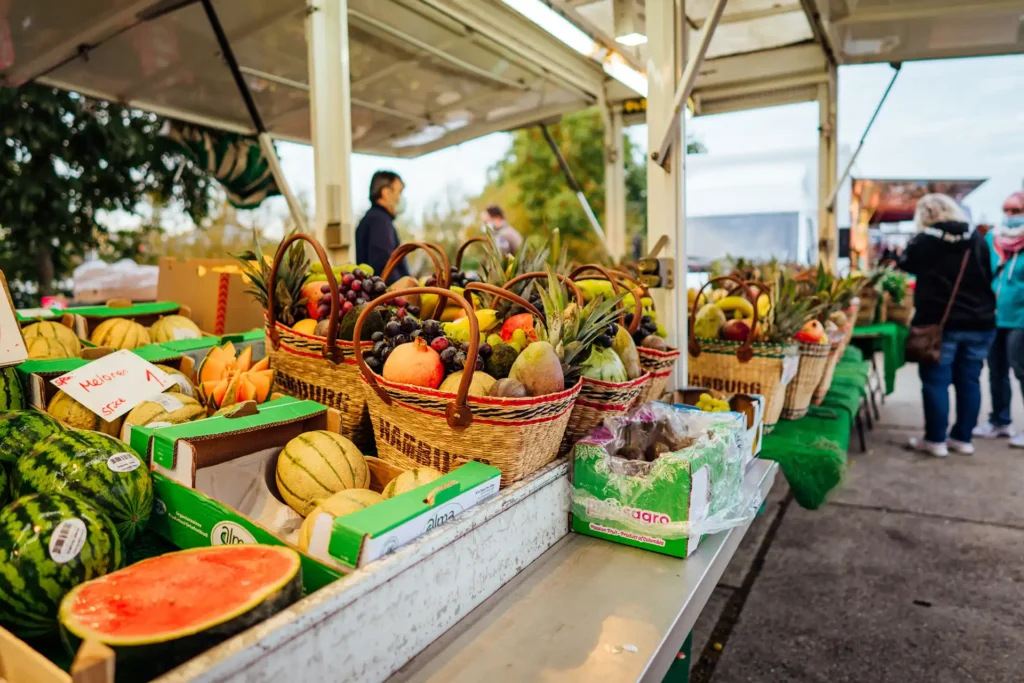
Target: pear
[(539, 369), (625, 348)]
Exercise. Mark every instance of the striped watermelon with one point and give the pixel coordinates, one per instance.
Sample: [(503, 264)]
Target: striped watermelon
[(20, 430), (50, 543), (12, 394), (98, 468)]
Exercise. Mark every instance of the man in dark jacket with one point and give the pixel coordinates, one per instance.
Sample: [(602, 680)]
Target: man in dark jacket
[(376, 237), (935, 255)]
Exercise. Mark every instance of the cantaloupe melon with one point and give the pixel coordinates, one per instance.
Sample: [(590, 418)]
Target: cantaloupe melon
[(173, 328), (74, 414), (182, 383), (340, 504), (47, 348), (225, 380), (315, 465), (407, 481), (120, 334), (170, 408), (65, 335)]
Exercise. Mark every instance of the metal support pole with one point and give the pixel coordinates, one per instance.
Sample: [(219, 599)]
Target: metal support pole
[(682, 92), (667, 35), (614, 181), (828, 235), (330, 108), (575, 186), (266, 143)]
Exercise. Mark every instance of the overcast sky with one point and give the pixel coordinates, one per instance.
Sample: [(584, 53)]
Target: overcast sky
[(957, 119)]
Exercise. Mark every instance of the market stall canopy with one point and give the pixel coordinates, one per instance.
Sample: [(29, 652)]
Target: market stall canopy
[(770, 52), (875, 201), (425, 74)]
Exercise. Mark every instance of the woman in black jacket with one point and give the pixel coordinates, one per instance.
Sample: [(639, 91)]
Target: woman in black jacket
[(935, 255)]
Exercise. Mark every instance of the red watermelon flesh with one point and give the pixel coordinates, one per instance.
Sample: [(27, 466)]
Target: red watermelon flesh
[(165, 610)]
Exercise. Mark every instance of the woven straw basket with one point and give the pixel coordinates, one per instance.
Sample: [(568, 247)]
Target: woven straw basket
[(746, 367), (813, 362), (417, 427), (835, 354), (598, 399), (903, 312)]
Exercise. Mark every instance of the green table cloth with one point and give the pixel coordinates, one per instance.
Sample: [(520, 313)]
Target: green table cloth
[(890, 339)]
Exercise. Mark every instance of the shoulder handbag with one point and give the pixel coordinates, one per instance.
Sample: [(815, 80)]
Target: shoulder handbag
[(924, 345)]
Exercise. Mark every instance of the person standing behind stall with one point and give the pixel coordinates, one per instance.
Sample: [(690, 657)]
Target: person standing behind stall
[(1006, 241), (936, 255), (508, 238), (376, 237)]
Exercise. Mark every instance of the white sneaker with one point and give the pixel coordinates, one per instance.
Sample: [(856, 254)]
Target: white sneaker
[(963, 447), (1017, 441), (990, 431), (938, 450)]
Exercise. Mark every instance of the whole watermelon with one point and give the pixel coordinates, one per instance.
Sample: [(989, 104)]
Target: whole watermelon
[(12, 395), (20, 430), (50, 543), (98, 468)]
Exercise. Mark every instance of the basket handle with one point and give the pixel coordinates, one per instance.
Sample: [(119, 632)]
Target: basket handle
[(331, 351), (744, 353), (504, 294), (576, 293), (462, 249), (457, 413), (638, 311), (442, 273)]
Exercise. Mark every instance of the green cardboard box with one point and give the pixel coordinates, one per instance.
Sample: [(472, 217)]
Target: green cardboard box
[(88, 317), (197, 348), (666, 505), (179, 455)]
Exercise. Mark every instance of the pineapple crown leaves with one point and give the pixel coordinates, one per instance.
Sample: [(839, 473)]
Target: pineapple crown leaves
[(290, 276), (794, 305)]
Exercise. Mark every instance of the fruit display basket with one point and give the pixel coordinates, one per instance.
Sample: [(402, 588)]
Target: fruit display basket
[(837, 345), (417, 426), (814, 359), (660, 363), (903, 312), (747, 366), (598, 398)]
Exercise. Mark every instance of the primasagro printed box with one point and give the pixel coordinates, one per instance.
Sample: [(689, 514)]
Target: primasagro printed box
[(660, 478), (214, 482)]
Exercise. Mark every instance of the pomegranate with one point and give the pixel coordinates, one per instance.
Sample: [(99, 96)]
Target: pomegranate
[(414, 363)]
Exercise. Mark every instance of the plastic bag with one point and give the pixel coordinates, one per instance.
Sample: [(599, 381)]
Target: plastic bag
[(665, 473)]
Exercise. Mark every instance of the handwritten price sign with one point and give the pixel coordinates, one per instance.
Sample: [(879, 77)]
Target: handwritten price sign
[(12, 346), (114, 384)]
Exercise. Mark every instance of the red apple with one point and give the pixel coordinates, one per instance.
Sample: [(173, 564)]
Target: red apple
[(811, 333), (735, 330), (312, 293), (524, 322)]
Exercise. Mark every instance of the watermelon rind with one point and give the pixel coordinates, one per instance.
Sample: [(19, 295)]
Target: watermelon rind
[(141, 658), (12, 394), (32, 581), (79, 462), (20, 430)]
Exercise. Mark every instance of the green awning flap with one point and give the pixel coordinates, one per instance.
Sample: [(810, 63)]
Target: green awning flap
[(236, 161)]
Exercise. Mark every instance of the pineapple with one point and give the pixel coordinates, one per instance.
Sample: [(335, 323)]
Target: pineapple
[(288, 299), (794, 304), (499, 270)]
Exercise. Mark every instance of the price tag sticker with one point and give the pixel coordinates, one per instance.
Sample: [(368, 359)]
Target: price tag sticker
[(114, 384)]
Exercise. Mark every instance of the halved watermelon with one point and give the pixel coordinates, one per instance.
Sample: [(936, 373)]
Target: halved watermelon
[(163, 611), (224, 380)]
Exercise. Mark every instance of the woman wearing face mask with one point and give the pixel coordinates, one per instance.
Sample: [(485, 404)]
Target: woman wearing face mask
[(1006, 242)]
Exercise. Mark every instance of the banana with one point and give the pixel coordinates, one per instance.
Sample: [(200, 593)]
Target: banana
[(764, 305), (458, 329), (316, 267), (736, 304)]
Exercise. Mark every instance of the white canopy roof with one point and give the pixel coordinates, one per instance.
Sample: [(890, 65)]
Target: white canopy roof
[(425, 74)]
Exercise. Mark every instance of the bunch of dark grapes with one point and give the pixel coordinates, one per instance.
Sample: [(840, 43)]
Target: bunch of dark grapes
[(457, 278), (605, 339), (401, 328), (647, 328), (354, 288)]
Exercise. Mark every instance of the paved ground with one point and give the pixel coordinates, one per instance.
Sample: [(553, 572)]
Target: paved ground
[(914, 572)]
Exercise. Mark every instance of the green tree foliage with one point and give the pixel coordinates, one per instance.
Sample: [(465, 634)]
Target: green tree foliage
[(66, 161)]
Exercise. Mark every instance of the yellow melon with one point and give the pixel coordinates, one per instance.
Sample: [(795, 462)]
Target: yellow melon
[(182, 383), (47, 348), (74, 414), (169, 408), (173, 328), (65, 335), (315, 465), (340, 504), (120, 334), (413, 479)]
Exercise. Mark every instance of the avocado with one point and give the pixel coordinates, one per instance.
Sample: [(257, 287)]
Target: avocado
[(347, 326), (501, 360)]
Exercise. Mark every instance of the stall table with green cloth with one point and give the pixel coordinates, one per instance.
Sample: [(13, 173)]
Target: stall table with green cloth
[(890, 339)]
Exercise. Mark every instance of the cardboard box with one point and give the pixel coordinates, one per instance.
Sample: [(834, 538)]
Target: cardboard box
[(215, 292), (751, 406), (658, 505), (88, 317), (198, 348), (192, 508)]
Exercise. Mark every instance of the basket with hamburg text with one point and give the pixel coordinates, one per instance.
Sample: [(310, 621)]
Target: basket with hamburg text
[(742, 367), (417, 426), (660, 364), (321, 369), (599, 399)]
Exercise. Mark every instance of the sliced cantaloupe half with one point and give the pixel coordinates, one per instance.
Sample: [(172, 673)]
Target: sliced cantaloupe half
[(224, 379)]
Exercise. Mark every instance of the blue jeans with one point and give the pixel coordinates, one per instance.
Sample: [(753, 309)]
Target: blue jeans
[(1007, 354), (963, 355)]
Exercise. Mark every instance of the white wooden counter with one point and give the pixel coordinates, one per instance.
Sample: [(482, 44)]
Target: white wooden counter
[(586, 610)]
